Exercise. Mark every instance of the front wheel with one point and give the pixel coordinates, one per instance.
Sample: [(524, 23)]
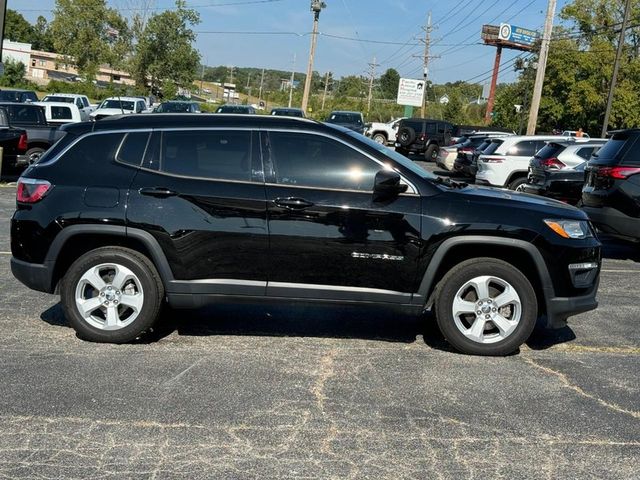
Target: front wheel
[(485, 306), (112, 295)]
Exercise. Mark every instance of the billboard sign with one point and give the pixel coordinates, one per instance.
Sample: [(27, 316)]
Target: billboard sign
[(518, 35), (411, 92)]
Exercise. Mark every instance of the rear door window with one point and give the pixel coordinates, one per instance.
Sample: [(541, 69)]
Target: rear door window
[(431, 128), (132, 148), (213, 154)]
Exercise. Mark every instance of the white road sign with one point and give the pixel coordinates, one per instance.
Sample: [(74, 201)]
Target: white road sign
[(410, 92)]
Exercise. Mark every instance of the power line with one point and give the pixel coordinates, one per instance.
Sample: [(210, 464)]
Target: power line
[(209, 5)]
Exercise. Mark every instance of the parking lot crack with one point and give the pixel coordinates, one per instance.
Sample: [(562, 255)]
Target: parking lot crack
[(567, 383), (325, 372)]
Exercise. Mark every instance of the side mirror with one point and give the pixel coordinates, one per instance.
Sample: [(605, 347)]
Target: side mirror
[(387, 183)]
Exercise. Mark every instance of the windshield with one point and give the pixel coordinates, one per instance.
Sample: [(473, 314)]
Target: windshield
[(232, 109), (393, 155), (345, 118), (50, 98), (122, 105)]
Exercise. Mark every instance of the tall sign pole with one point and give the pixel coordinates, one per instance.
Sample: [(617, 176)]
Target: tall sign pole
[(316, 8), (616, 67), (542, 66), (494, 82)]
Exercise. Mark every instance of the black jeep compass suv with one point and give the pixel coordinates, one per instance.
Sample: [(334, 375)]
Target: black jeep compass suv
[(125, 214)]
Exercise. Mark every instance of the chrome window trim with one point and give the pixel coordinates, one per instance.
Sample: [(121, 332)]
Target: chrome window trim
[(413, 190)]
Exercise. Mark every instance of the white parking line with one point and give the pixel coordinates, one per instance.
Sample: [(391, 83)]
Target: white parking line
[(5, 253), (620, 271)]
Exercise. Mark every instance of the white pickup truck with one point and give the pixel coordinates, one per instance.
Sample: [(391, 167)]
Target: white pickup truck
[(80, 101), (384, 133)]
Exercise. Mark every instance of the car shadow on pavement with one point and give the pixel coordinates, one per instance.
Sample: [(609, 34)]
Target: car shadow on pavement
[(320, 321)]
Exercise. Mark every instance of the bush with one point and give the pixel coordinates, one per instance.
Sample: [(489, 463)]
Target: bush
[(14, 76)]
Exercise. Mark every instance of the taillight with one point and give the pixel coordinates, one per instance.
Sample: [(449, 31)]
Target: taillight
[(619, 173), (552, 164), (31, 190), (492, 159), (466, 150), (22, 143), (422, 137)]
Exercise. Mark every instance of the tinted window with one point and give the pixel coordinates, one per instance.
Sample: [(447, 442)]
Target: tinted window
[(585, 152), (612, 148), (233, 109), (175, 107), (415, 124), (476, 141), (207, 154), (61, 113), (133, 147), (92, 151), (53, 98), (525, 148), (490, 150), (346, 118), (117, 104), (550, 150), (315, 161), (9, 96), (31, 96), (484, 145), (24, 114), (431, 128)]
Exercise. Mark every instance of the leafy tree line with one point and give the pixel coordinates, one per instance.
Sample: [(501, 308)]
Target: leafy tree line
[(579, 70), (158, 51)]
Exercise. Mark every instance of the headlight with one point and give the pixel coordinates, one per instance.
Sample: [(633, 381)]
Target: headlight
[(570, 228)]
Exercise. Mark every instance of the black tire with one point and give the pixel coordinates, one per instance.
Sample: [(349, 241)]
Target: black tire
[(462, 273), (150, 281), (34, 153), (431, 153), (380, 138), (406, 136), (517, 182)]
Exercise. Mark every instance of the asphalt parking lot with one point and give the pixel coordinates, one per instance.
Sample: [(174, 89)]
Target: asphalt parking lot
[(315, 393)]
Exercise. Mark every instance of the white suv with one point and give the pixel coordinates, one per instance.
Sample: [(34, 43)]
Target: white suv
[(505, 163), (383, 133)]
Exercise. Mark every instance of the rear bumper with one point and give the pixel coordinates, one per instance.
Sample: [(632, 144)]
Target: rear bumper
[(614, 221), (34, 275)]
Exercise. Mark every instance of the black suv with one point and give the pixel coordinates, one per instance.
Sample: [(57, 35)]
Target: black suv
[(351, 120), (611, 193), (122, 214), (420, 136)]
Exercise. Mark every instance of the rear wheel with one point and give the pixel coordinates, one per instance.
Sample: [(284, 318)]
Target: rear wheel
[(33, 154), (111, 294), (485, 306), (518, 184), (431, 153), (380, 138)]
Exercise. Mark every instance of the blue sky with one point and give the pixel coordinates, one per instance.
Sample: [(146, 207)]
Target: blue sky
[(456, 35)]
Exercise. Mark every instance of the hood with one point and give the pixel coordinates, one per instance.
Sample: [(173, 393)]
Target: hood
[(109, 111), (499, 198)]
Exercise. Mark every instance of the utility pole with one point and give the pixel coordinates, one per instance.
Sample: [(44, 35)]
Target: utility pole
[(249, 88), (326, 88), (3, 16), (494, 83), (201, 78), (261, 86), (372, 76), (316, 8), (542, 66), (293, 71), (616, 67), (428, 29)]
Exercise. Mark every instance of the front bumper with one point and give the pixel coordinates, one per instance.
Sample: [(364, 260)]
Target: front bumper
[(34, 275), (561, 308)]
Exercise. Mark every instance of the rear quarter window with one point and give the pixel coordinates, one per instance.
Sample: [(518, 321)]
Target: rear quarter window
[(92, 151), (491, 149), (619, 144)]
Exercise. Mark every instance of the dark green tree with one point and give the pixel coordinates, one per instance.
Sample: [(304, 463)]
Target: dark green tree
[(389, 82), (16, 28)]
